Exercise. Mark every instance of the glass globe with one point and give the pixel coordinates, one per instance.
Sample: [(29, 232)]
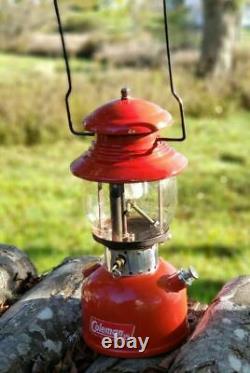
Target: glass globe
[(134, 212)]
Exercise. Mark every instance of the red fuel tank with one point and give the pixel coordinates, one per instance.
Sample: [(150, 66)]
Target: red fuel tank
[(148, 305)]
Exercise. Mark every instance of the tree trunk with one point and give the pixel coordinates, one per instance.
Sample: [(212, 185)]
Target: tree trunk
[(16, 270), (221, 23), (45, 321)]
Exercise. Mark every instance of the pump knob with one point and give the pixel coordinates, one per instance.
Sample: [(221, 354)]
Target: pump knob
[(188, 275), (116, 272)]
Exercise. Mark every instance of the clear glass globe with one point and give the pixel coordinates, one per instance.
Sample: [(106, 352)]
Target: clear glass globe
[(146, 210)]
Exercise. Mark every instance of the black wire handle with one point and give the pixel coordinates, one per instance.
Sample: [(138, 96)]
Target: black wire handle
[(66, 60), (68, 93), (171, 79)]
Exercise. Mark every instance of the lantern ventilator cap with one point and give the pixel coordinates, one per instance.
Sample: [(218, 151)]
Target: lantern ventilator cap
[(127, 116), (127, 148)]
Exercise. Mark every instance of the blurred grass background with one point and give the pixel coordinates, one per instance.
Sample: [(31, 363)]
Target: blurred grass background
[(41, 207)]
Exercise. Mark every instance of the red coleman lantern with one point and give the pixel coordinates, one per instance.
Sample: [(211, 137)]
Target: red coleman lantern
[(135, 303)]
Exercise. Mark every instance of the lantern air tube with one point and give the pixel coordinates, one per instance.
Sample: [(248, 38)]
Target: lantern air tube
[(116, 192), (160, 205), (100, 204)]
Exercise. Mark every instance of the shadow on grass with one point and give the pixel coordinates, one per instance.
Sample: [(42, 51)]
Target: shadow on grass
[(204, 290), (41, 251), (221, 251)]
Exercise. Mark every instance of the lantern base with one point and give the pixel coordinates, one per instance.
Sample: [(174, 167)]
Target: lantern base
[(148, 307)]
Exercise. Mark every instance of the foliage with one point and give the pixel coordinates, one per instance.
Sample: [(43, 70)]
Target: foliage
[(233, 5), (111, 22), (83, 21), (237, 4), (182, 34), (81, 5), (42, 82), (18, 19)]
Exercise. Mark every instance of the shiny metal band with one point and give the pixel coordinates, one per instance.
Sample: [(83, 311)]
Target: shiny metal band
[(131, 262)]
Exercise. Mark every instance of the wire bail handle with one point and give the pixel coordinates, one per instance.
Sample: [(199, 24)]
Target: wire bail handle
[(172, 87), (68, 72)]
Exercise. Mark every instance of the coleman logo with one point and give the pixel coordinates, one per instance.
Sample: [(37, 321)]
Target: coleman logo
[(109, 329)]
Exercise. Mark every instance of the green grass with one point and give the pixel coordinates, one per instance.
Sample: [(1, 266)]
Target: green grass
[(41, 81), (42, 204), (14, 66), (42, 209), (244, 37)]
